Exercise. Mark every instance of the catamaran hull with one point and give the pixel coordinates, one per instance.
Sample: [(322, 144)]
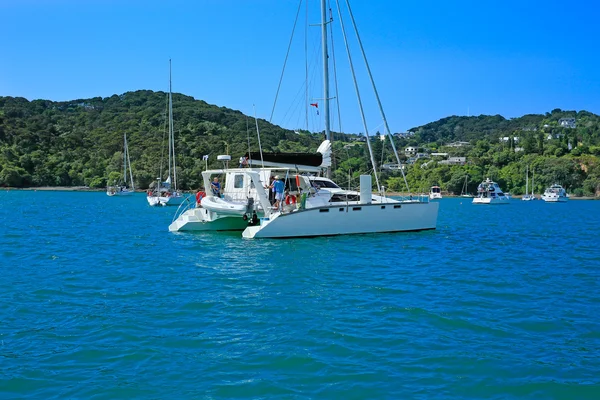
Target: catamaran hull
[(201, 219), (347, 220)]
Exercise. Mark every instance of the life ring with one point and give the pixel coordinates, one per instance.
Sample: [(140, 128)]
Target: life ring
[(290, 200), (199, 197)]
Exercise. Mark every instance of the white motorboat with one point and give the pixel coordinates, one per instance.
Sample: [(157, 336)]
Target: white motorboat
[(488, 192), (126, 186), (166, 193), (555, 194), (435, 193)]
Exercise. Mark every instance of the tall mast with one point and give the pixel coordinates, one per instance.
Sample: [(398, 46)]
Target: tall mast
[(125, 159), (325, 73), (128, 165), (527, 180), (171, 133)]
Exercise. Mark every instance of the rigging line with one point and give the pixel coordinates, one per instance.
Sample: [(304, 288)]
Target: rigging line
[(162, 150), (335, 80), (262, 161), (362, 113), (306, 65), (248, 136), (376, 93), (285, 61)]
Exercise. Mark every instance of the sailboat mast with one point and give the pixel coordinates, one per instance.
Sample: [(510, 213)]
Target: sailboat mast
[(129, 164), (325, 74), (125, 159), (170, 123), (527, 180)]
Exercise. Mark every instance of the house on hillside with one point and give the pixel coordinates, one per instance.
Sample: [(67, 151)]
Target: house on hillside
[(505, 139), (454, 161), (458, 144), (410, 151), (567, 123)]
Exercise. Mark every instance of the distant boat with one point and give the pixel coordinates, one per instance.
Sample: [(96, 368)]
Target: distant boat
[(435, 193), (166, 193), (122, 188), (464, 191), (488, 192), (555, 194), (527, 196)]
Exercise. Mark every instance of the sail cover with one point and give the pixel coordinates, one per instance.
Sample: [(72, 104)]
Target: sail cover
[(320, 159)]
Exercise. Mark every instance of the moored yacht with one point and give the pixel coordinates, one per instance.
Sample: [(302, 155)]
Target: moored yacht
[(166, 193), (555, 194), (310, 209), (488, 192), (435, 193), (125, 187)]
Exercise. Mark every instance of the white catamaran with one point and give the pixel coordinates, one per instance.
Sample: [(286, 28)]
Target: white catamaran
[(309, 205), (126, 186), (166, 193)]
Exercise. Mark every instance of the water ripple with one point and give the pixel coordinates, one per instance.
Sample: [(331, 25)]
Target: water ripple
[(99, 300)]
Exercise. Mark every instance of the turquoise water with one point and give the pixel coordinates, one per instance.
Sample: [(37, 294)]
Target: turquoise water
[(98, 300)]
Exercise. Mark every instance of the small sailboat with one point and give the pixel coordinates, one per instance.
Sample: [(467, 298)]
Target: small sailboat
[(166, 193), (464, 191), (527, 196), (124, 187)]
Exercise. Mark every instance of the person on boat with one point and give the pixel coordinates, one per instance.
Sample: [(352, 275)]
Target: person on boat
[(216, 187), (271, 190), (278, 187), (243, 162)]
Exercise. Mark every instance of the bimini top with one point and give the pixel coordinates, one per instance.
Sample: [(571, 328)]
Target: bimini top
[(308, 159), (315, 161)]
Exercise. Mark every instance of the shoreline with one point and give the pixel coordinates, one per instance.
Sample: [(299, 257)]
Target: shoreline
[(88, 189)]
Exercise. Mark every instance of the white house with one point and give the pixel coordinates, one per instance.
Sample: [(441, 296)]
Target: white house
[(454, 161), (458, 144), (411, 150), (567, 123)]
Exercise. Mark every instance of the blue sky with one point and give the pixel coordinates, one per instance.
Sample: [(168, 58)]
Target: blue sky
[(430, 59)]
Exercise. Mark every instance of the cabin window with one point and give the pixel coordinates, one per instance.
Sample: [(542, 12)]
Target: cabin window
[(356, 208), (383, 207), (324, 210), (398, 206), (341, 209), (238, 181)]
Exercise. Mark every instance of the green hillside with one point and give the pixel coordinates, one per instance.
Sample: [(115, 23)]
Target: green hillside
[(80, 143), (502, 148)]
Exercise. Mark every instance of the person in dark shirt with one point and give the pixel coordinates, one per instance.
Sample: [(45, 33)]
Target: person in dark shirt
[(216, 187)]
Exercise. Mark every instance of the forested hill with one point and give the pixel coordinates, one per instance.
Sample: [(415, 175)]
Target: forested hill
[(80, 142), (455, 128)]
